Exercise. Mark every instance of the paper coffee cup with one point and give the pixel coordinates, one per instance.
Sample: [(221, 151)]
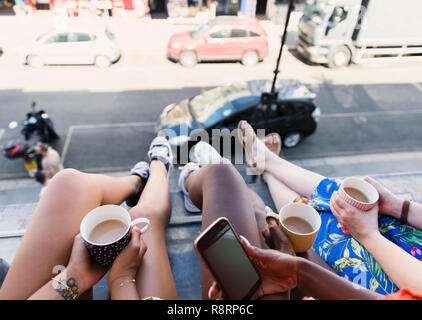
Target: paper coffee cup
[(106, 253), (364, 187)]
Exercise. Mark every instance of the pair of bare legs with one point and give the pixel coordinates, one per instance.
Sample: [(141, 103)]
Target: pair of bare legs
[(220, 190), (71, 194)]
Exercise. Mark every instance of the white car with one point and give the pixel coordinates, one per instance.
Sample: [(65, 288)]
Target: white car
[(71, 46)]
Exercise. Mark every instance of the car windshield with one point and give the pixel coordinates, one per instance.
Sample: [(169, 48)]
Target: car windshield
[(176, 113), (213, 105), (110, 35), (317, 11), (200, 30), (40, 36)]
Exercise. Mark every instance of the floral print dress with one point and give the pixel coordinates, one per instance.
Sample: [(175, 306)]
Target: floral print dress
[(346, 255)]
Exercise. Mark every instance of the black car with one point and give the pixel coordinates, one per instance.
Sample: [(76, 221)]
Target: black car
[(293, 115)]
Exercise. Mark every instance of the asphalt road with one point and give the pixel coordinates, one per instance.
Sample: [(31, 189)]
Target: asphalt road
[(106, 117), (111, 131)]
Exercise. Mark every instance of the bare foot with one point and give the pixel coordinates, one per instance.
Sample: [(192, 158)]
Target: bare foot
[(273, 142), (255, 150)]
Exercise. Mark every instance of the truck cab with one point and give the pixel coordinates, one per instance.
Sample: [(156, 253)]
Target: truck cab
[(326, 29), (338, 32)]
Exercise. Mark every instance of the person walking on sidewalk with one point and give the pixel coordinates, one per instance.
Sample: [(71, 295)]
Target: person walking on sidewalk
[(51, 162)]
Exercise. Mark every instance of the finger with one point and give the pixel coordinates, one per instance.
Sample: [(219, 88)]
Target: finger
[(339, 201), (267, 237), (143, 248), (214, 291), (336, 211), (250, 250), (370, 180)]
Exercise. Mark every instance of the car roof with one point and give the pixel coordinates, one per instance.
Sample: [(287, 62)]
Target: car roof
[(288, 89), (247, 23), (235, 21), (79, 28)]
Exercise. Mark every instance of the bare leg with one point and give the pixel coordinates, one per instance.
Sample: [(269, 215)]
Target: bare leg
[(220, 190), (48, 240), (297, 179), (280, 193), (154, 278)]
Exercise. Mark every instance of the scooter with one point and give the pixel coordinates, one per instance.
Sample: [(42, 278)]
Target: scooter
[(35, 128)]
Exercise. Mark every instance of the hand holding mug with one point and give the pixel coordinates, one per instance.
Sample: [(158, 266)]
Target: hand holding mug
[(82, 267), (128, 261), (360, 224), (389, 204)]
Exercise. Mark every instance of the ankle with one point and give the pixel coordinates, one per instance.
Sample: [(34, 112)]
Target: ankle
[(157, 164), (136, 181)]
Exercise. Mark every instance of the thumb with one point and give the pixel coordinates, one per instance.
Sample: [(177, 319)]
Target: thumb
[(135, 241), (252, 251), (371, 181), (213, 291)]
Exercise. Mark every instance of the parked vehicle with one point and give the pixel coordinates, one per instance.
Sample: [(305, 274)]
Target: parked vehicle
[(72, 45), (224, 38), (36, 127), (340, 32), (293, 115)]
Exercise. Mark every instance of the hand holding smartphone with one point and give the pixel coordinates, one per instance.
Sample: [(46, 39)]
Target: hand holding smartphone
[(220, 249)]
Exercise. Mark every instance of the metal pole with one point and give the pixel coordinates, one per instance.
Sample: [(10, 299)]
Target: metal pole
[(283, 40)]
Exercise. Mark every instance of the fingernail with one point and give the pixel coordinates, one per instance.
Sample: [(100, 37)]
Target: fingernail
[(246, 240)]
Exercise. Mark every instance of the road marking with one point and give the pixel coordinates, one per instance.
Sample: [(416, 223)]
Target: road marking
[(418, 86), (66, 143), (98, 126), (352, 153), (371, 114)]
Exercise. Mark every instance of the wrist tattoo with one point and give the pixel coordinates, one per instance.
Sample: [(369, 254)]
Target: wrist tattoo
[(69, 290)]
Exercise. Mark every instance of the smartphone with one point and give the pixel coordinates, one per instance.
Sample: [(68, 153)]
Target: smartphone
[(220, 249)]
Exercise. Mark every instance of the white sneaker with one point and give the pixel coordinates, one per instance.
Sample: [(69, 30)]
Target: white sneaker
[(186, 170), (203, 153), (160, 150), (141, 169)]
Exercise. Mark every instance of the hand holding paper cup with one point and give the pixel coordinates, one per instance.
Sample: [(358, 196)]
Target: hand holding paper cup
[(358, 193), (300, 222), (106, 232)]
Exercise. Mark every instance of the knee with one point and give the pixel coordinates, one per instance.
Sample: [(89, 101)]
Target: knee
[(67, 176), (222, 169), (69, 180)]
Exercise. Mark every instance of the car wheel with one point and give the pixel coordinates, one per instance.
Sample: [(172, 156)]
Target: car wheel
[(34, 61), (339, 58), (292, 140), (188, 59), (102, 62), (250, 58)]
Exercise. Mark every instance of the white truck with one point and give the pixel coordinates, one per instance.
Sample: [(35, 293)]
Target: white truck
[(340, 32)]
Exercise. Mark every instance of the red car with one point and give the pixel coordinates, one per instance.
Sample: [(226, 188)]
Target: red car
[(224, 38)]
